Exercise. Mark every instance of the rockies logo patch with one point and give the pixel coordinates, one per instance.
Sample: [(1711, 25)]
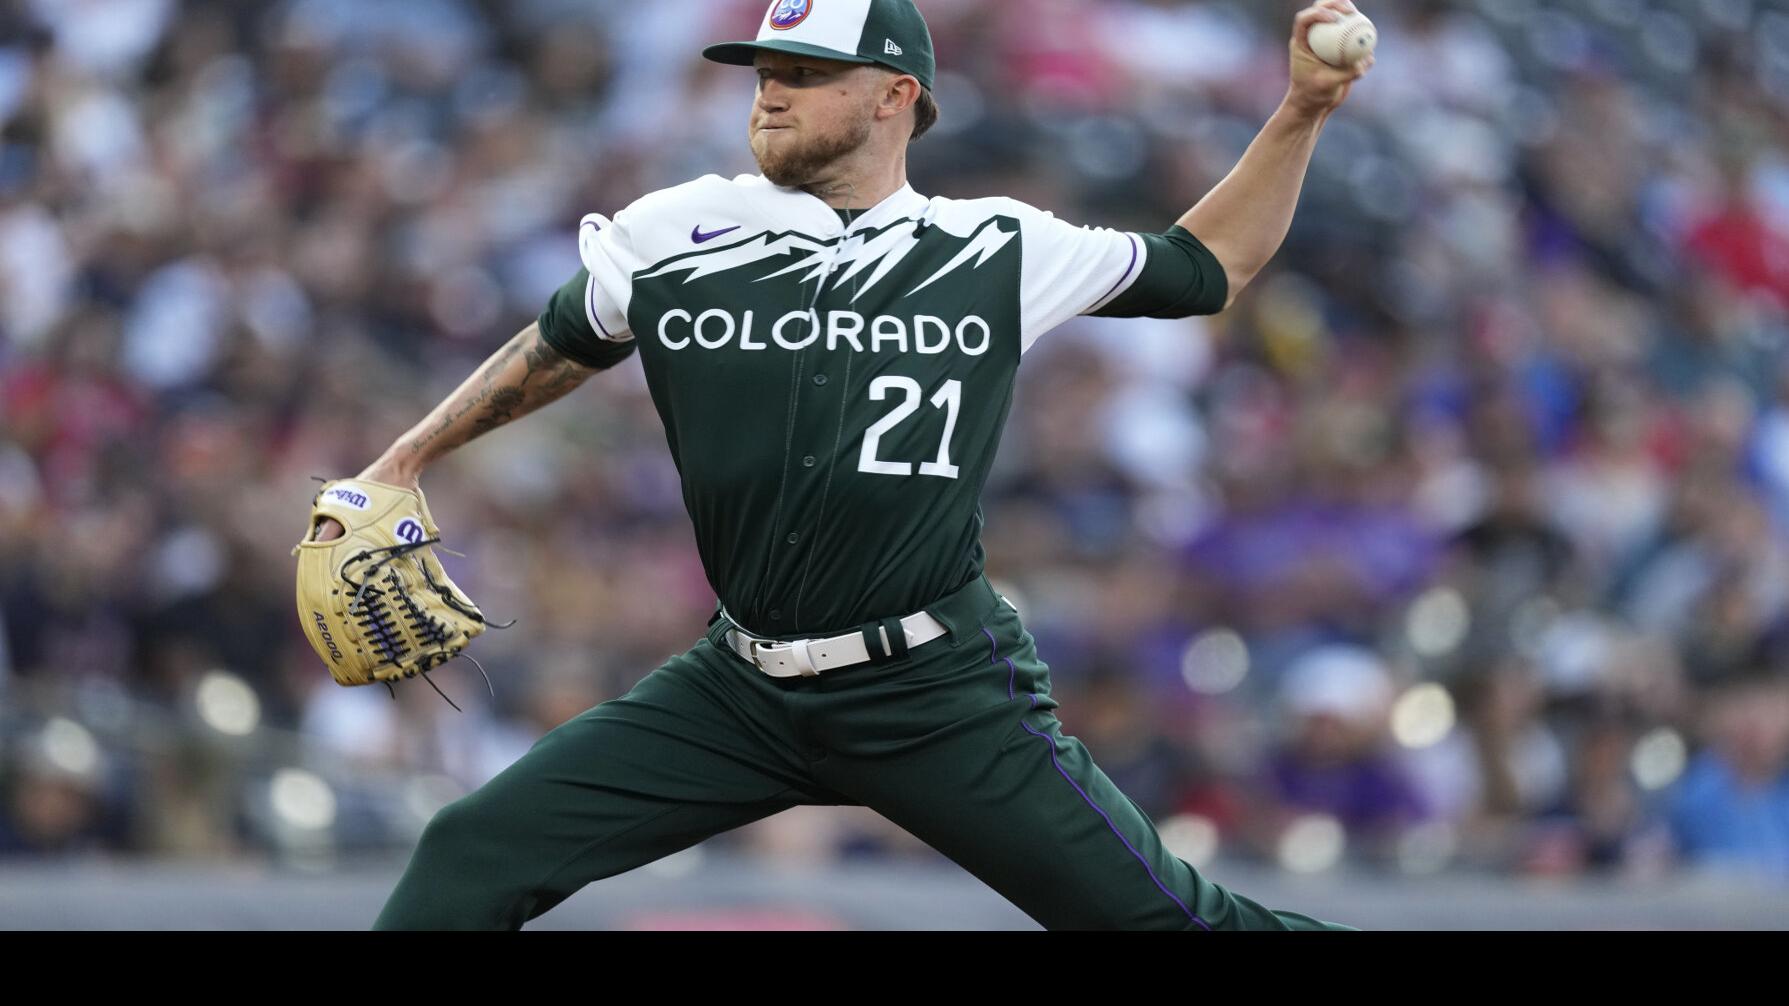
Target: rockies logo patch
[(789, 13)]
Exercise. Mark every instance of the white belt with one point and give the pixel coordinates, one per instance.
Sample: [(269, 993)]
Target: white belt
[(811, 656)]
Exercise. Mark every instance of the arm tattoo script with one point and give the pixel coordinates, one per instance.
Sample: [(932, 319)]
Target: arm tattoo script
[(499, 397)]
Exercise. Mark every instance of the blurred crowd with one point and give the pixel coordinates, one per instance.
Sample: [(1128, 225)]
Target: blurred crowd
[(1460, 542)]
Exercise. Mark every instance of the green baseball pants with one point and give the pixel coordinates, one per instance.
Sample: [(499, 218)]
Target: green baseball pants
[(954, 742)]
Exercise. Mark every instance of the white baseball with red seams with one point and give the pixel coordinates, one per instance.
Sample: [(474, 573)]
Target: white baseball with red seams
[(1344, 41)]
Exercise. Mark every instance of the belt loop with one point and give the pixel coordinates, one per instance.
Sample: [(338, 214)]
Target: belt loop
[(803, 657), (897, 636), (721, 626), (872, 642)]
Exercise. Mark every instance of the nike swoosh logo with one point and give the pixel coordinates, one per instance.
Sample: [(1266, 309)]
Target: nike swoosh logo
[(698, 237)]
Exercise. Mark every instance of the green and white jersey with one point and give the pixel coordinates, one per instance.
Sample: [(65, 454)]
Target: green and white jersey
[(833, 392)]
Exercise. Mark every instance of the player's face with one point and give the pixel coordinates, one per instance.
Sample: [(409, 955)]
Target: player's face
[(809, 113)]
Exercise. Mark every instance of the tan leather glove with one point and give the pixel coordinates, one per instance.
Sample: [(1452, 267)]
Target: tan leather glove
[(375, 602)]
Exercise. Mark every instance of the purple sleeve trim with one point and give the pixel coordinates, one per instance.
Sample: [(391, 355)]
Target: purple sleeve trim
[(590, 308), (590, 299), (1132, 238)]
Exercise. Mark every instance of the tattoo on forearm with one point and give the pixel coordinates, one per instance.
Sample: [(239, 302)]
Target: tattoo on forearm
[(501, 402), (539, 356), (504, 403), (558, 374)]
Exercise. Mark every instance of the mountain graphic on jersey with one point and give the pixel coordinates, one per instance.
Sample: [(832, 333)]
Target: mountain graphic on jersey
[(881, 250), (900, 288)]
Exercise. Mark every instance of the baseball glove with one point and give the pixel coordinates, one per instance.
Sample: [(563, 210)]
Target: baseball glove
[(375, 602)]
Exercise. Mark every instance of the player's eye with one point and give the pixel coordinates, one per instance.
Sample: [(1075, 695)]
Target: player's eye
[(791, 75)]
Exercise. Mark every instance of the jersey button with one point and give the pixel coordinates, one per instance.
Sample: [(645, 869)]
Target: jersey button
[(776, 614), (808, 462), (793, 538), (820, 379)]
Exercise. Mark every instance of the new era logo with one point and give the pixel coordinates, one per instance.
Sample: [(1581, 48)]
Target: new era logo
[(889, 48)]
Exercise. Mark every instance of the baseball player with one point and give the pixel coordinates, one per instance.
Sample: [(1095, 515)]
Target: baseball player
[(833, 355)]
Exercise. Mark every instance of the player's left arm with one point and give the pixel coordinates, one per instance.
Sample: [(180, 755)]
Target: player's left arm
[(1245, 217)]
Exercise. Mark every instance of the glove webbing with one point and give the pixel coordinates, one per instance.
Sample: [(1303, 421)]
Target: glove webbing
[(379, 615)]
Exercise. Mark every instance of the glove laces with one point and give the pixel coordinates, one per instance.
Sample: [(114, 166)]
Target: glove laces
[(380, 620)]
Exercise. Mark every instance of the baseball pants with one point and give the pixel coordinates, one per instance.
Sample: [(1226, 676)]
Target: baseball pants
[(955, 742)]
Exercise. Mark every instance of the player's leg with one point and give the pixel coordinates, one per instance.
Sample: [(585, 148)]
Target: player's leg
[(1110, 888), (997, 787), (693, 750)]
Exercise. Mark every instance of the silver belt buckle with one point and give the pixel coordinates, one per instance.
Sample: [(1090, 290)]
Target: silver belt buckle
[(798, 649), (753, 644)]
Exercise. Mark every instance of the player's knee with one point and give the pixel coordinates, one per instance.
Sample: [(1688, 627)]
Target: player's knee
[(463, 833)]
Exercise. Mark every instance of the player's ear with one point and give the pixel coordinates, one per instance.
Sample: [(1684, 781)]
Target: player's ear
[(899, 92)]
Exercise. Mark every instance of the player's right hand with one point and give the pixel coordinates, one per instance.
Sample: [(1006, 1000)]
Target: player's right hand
[(1318, 88)]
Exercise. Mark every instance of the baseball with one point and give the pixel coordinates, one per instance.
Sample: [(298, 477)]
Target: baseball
[(1344, 41)]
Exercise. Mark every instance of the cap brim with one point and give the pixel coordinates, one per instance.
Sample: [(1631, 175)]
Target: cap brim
[(741, 53)]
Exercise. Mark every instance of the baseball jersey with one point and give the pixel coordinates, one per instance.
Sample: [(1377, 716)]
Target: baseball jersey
[(833, 385)]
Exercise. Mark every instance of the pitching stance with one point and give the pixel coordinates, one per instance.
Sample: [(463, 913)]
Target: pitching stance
[(833, 355)]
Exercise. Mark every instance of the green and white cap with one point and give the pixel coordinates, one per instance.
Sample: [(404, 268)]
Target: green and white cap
[(889, 32)]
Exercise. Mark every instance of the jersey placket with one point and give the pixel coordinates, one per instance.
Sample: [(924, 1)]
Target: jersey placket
[(802, 461), (843, 253)]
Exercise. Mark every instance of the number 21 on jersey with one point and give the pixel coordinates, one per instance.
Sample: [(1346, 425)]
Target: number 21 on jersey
[(949, 398)]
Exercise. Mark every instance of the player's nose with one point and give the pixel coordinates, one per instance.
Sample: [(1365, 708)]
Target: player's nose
[(772, 96)]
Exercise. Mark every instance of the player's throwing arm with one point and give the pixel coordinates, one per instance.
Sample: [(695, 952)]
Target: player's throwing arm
[(518, 379), (1245, 217)]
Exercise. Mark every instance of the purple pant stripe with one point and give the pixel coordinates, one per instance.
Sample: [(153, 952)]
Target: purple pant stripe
[(993, 655), (1201, 923)]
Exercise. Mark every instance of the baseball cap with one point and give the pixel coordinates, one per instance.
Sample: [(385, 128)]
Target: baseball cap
[(889, 32)]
